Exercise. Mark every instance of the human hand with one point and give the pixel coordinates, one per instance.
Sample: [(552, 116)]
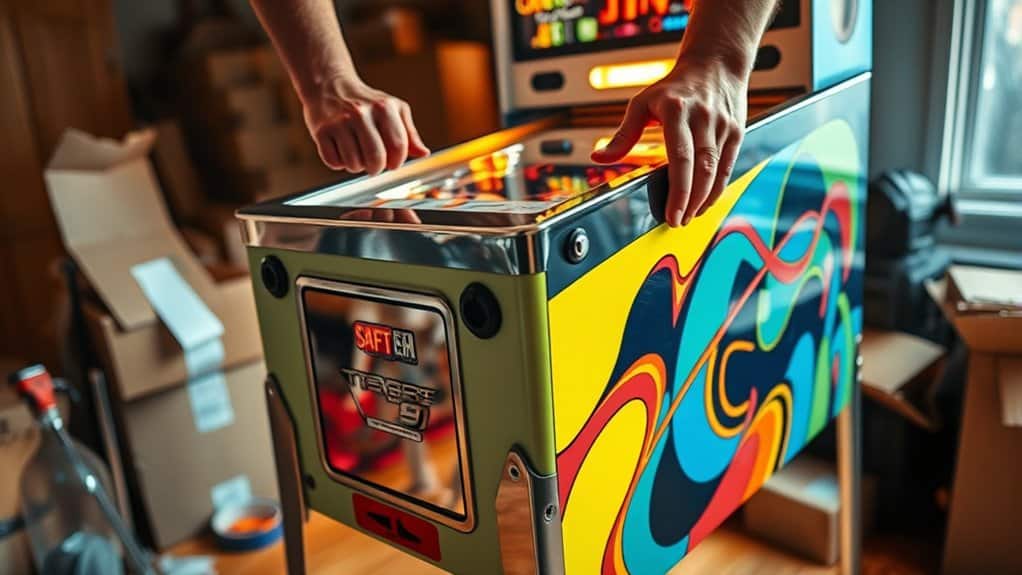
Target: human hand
[(701, 105), (358, 128)]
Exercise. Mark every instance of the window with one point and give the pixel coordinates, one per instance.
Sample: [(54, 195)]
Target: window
[(981, 143), (993, 158), (986, 158)]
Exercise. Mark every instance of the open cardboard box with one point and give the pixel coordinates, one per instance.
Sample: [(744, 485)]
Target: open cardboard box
[(112, 217), (986, 502)]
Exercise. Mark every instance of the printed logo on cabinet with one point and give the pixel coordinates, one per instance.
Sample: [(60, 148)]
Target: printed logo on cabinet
[(385, 342), (413, 403)]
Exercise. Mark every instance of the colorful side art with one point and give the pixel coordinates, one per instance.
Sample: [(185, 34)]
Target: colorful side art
[(697, 361)]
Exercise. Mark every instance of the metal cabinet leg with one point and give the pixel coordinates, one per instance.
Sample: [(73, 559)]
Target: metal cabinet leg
[(289, 478), (849, 457)]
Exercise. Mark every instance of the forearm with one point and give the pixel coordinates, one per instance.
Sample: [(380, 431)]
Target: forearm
[(728, 32), (308, 38)]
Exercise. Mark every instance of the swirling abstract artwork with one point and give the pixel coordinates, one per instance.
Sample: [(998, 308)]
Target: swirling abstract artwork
[(697, 361)]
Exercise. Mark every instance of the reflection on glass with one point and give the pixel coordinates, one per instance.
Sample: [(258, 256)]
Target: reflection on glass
[(386, 406), (523, 178)]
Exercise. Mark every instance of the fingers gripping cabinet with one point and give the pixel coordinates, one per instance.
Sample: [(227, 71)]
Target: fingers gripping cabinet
[(497, 359)]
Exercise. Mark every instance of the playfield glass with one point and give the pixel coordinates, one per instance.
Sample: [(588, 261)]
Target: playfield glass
[(529, 178)]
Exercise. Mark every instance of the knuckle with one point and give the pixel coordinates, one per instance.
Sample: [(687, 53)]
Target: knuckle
[(699, 110), (723, 124), (674, 103), (360, 110)]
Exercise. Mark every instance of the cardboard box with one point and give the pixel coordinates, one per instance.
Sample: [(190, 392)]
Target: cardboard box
[(259, 148), (218, 219), (112, 218), (799, 509), (985, 516), (205, 247), (449, 89), (181, 465), (259, 185), (181, 185), (251, 106), (236, 67), (111, 215), (988, 331), (893, 369), (148, 359)]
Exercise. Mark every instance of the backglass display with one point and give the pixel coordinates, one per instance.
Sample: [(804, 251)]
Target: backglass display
[(547, 28)]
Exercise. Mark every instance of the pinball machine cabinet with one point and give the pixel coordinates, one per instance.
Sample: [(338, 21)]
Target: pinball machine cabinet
[(498, 358)]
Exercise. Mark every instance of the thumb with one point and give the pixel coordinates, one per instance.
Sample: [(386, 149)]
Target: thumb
[(627, 135)]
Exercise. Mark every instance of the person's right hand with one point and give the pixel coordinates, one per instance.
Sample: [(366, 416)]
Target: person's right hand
[(357, 128)]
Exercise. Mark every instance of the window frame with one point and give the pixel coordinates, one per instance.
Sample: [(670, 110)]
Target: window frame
[(988, 217), (968, 39)]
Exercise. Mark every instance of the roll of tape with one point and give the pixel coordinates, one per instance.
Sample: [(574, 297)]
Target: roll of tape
[(247, 526)]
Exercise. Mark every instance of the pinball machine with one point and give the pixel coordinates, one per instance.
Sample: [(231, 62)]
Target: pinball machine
[(497, 358)]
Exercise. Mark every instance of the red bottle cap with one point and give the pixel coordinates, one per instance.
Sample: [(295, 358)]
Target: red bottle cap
[(35, 385)]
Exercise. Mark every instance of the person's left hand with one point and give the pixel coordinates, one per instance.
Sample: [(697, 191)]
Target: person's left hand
[(702, 108)]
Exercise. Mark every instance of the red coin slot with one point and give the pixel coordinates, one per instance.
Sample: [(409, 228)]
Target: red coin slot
[(397, 526)]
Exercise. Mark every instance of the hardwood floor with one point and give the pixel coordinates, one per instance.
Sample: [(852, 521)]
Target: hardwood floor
[(334, 549)]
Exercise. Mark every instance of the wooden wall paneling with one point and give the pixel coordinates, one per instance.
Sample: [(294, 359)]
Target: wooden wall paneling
[(74, 78), (11, 346), (24, 207), (41, 296)]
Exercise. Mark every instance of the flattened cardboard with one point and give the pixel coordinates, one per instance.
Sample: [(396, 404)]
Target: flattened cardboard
[(983, 331), (175, 467), (987, 288), (147, 360), (111, 215), (892, 362)]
